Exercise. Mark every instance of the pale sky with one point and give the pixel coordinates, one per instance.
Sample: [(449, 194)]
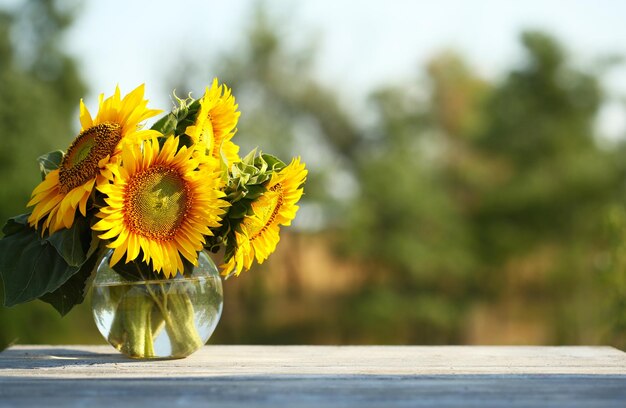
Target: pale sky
[(361, 44)]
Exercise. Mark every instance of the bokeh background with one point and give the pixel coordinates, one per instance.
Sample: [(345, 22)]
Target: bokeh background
[(467, 158)]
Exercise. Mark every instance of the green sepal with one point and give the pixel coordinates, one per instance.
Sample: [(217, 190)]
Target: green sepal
[(214, 243), (177, 121), (273, 162), (247, 182), (187, 117), (185, 140), (50, 161), (137, 270), (238, 210), (166, 125), (255, 191), (247, 177), (231, 247), (248, 159)]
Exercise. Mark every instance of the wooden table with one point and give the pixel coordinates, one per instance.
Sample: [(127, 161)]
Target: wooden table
[(316, 376)]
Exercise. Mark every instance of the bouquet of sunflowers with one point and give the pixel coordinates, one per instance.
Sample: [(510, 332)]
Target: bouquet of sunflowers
[(153, 198)]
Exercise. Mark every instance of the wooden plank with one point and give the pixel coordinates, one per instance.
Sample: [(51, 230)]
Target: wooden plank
[(79, 361), (303, 376)]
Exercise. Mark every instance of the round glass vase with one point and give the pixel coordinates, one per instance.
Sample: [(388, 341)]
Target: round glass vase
[(144, 315)]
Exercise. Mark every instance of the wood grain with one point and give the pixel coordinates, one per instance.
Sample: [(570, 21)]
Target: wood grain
[(307, 376)]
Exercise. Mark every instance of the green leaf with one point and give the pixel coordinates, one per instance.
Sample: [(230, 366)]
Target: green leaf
[(50, 161), (15, 224), (30, 266), (71, 243), (73, 291)]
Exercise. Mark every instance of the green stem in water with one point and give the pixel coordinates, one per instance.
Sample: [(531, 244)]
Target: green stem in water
[(132, 326), (144, 309), (182, 331), (178, 314)]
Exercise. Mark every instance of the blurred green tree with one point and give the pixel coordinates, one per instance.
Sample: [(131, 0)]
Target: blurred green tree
[(40, 91), (38, 97), (409, 229), (539, 216), (521, 161), (288, 112), (378, 184), (455, 192)]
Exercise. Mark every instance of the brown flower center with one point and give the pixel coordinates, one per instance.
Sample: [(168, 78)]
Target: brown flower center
[(157, 201), (80, 163)]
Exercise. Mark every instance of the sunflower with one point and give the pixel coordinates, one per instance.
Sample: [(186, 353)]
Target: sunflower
[(258, 233), (216, 123), (86, 161), (161, 204)]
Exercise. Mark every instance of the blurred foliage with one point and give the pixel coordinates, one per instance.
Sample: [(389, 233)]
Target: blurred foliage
[(463, 195), (453, 209), (615, 280), (38, 101)]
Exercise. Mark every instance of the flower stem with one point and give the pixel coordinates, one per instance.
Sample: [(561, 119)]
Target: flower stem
[(177, 312)]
